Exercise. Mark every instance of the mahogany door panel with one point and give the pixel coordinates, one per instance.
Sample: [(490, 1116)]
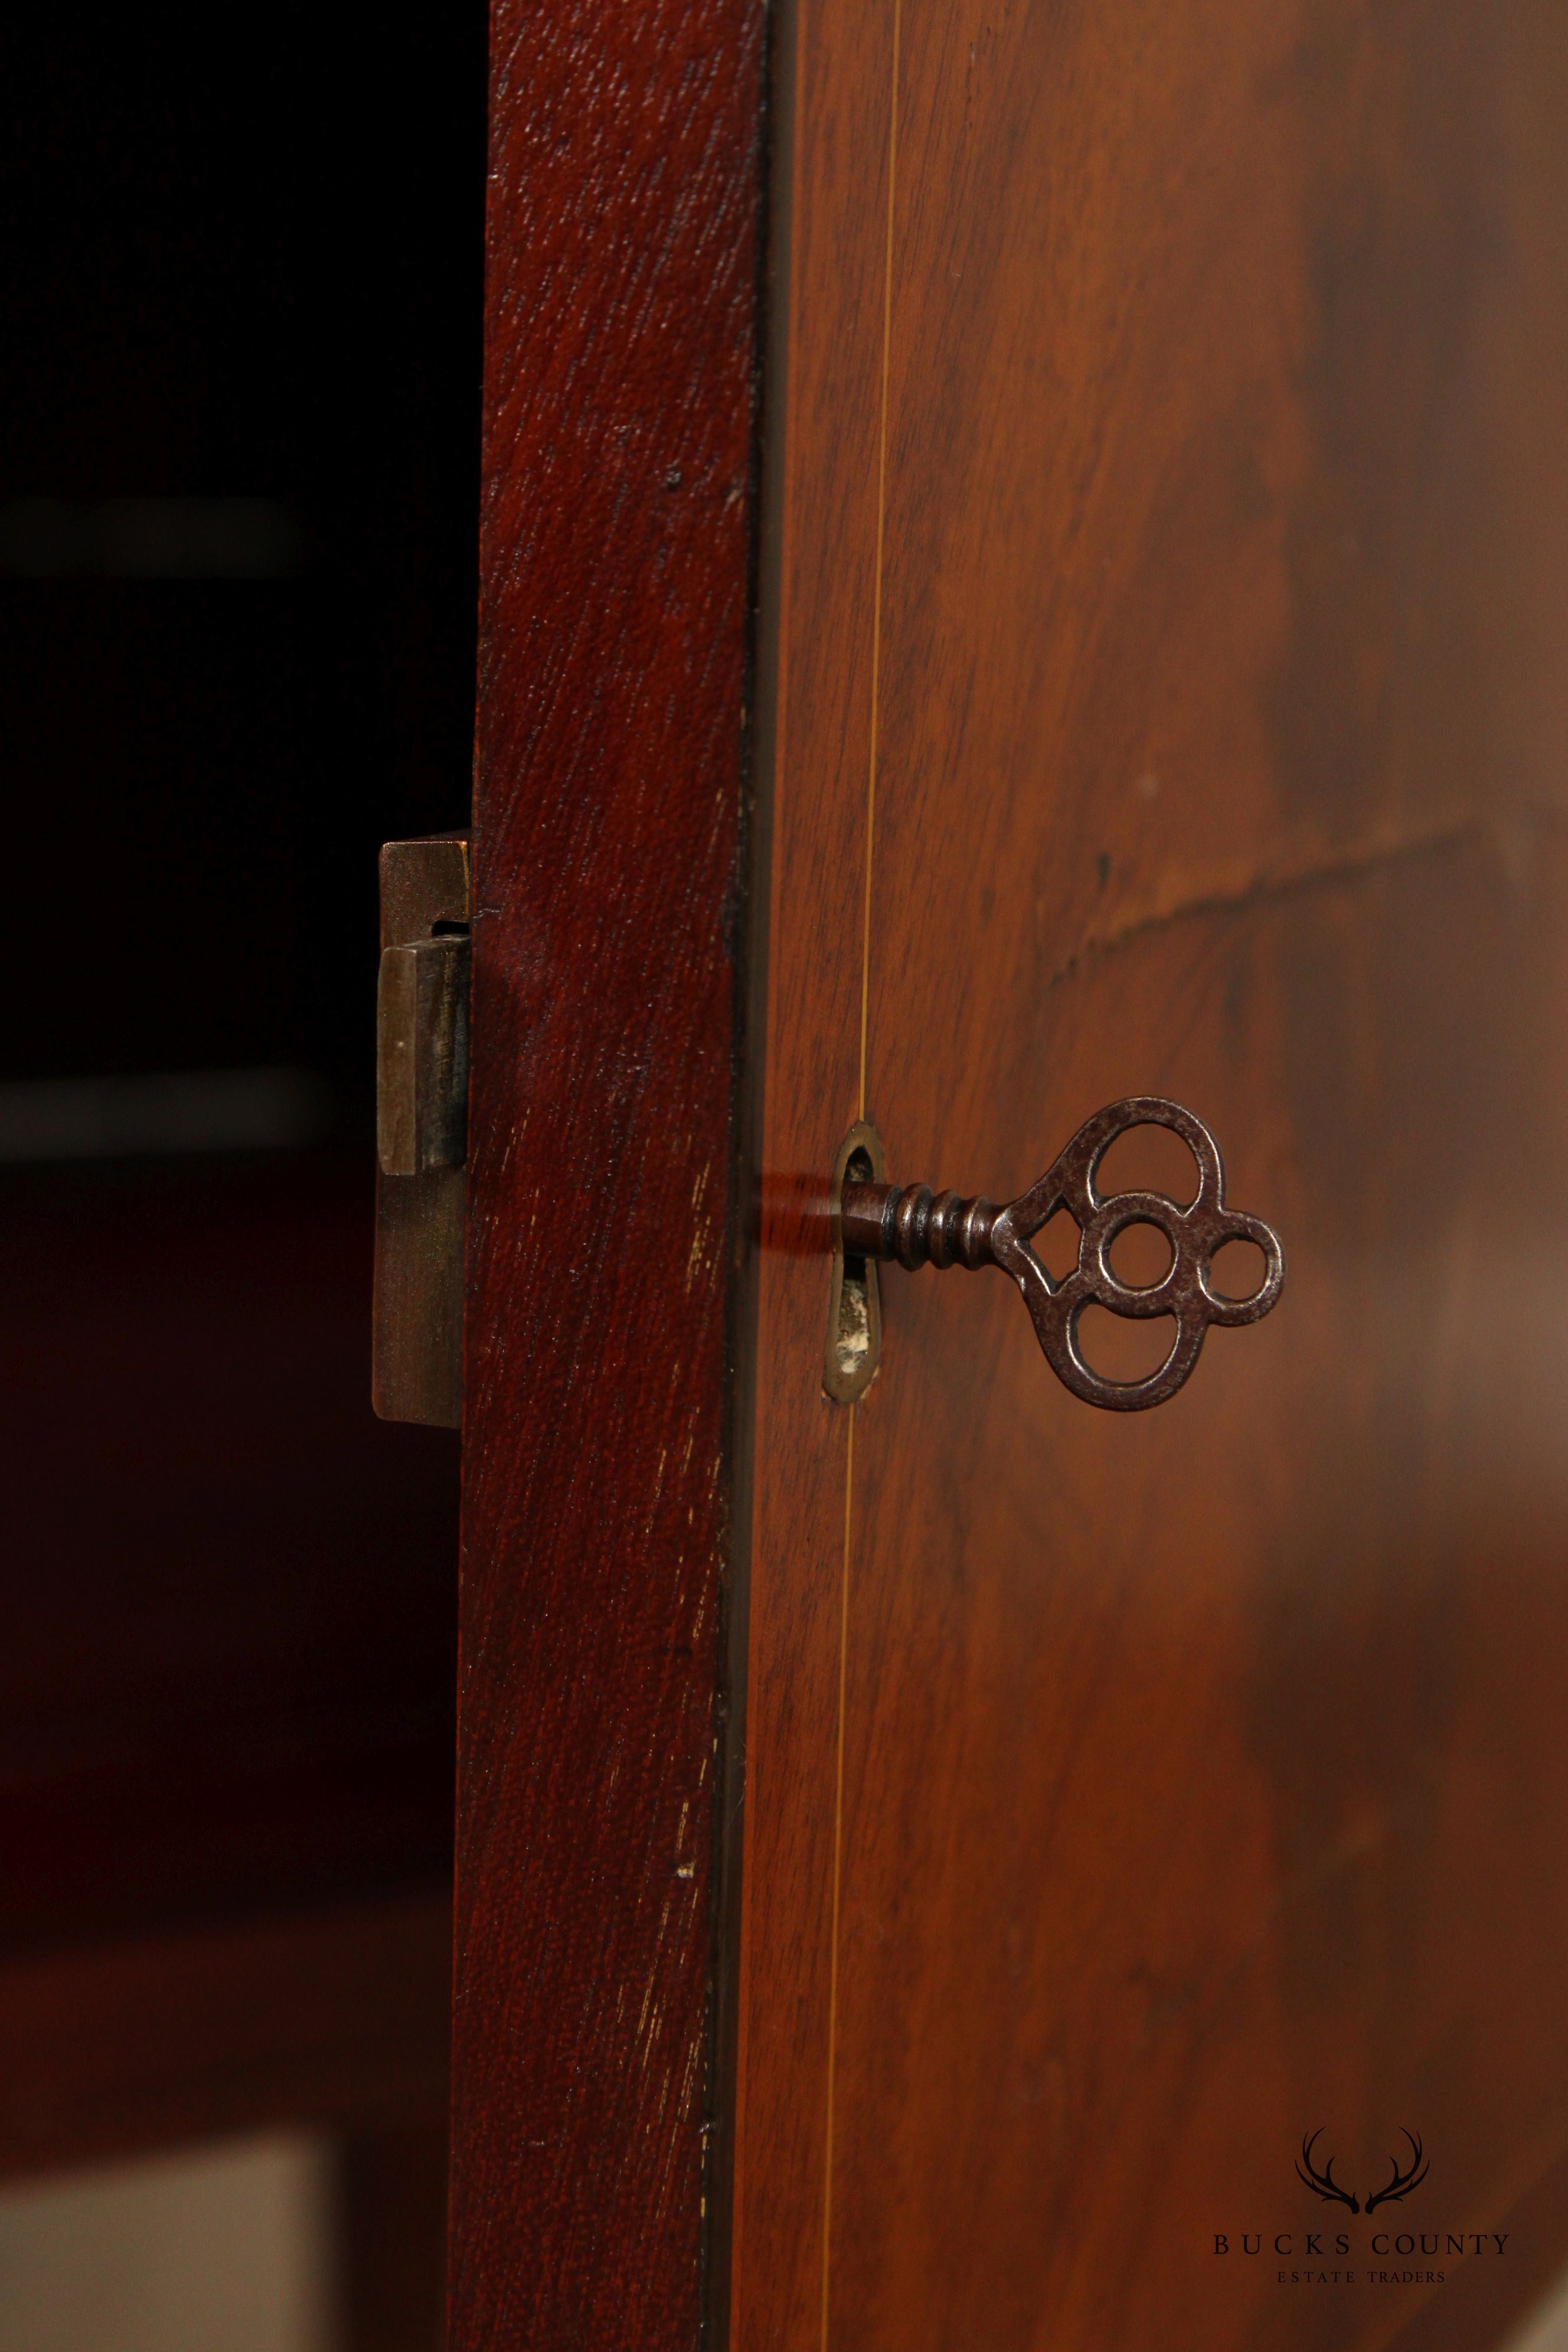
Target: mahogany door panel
[(1024, 555), (1164, 691)]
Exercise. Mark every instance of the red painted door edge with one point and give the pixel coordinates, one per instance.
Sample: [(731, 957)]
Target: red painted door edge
[(622, 333)]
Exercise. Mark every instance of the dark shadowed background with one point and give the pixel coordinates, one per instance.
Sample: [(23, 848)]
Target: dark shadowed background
[(240, 373)]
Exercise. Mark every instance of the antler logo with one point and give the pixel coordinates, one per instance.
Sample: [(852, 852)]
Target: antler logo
[(1324, 2184), (1402, 2182)]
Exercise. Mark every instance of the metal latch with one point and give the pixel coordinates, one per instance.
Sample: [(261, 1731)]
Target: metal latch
[(421, 1122)]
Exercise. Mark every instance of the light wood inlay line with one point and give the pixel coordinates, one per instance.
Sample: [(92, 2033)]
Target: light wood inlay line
[(865, 1008)]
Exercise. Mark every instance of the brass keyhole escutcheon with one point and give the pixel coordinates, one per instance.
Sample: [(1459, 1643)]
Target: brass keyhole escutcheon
[(855, 1305)]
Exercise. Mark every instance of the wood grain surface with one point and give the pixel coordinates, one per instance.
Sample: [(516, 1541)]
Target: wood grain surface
[(619, 409), (1166, 621)]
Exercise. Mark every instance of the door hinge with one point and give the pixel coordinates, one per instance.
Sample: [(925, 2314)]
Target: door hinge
[(421, 1124)]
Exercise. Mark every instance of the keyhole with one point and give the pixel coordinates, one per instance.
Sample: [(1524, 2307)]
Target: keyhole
[(854, 1313)]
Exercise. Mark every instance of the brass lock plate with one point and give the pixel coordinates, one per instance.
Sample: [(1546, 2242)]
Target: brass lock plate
[(422, 1076)]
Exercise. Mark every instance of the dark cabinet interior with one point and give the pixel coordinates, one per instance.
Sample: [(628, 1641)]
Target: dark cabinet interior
[(240, 315)]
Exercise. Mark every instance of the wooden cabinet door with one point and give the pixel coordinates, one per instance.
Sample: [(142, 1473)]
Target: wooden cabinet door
[(929, 1867)]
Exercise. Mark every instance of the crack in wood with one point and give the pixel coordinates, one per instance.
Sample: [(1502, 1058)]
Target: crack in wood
[(1281, 881)]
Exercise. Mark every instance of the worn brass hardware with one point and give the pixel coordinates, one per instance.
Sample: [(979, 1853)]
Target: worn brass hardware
[(422, 1079), (876, 1222), (855, 1304), (422, 1056)]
